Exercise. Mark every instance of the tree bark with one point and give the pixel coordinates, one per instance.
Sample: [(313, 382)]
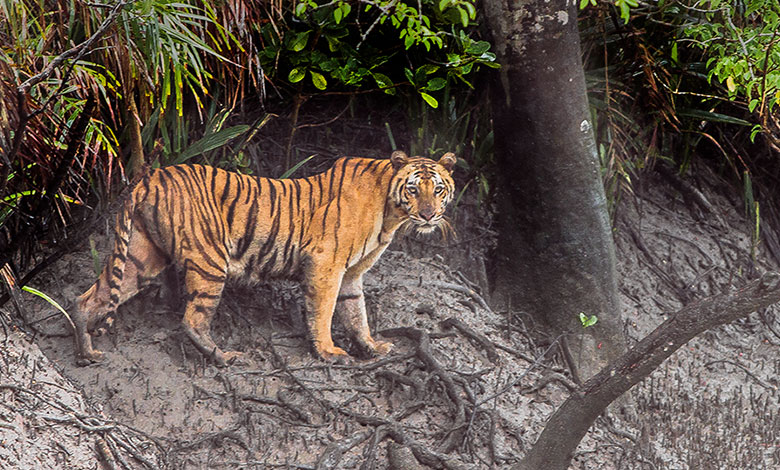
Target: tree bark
[(567, 426), (556, 256)]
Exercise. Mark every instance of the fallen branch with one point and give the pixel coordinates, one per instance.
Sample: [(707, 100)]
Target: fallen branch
[(559, 439), (401, 457)]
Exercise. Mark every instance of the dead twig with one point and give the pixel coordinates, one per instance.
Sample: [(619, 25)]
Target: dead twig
[(394, 377), (549, 378), (335, 450), (769, 321), (745, 370), (80, 424), (479, 338), (229, 434), (462, 290)]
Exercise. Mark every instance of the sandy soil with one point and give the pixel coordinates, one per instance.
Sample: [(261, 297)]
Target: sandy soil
[(455, 402)]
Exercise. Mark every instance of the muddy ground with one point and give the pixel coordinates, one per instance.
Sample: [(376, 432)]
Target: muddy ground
[(445, 397)]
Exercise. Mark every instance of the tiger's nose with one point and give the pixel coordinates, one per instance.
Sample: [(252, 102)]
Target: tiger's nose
[(427, 212)]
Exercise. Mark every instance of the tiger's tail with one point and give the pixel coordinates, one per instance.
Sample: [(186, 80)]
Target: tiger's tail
[(118, 260)]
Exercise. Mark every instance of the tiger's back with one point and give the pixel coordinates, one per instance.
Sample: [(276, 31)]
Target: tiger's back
[(214, 225), (261, 227)]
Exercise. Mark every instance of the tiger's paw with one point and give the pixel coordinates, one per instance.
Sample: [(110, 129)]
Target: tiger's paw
[(87, 358), (334, 354), (229, 358), (380, 348)]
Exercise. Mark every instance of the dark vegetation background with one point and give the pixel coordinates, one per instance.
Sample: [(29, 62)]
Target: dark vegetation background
[(683, 95)]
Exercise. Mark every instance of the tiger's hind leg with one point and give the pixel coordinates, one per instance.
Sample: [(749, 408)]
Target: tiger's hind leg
[(351, 312), (127, 274), (203, 290)]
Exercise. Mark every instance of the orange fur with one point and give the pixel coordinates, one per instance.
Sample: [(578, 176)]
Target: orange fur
[(214, 225)]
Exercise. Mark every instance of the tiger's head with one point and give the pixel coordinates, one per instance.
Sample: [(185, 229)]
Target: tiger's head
[(422, 188)]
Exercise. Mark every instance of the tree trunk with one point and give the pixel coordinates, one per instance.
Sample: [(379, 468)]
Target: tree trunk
[(563, 432), (556, 256)]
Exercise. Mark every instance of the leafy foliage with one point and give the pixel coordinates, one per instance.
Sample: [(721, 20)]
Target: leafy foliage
[(378, 44), (687, 79), (740, 40), (680, 75), (169, 75)]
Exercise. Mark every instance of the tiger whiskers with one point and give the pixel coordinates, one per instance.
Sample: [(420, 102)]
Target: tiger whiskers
[(405, 227), (448, 232)]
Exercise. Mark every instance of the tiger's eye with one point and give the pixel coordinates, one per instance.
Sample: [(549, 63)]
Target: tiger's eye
[(438, 190), (412, 190)]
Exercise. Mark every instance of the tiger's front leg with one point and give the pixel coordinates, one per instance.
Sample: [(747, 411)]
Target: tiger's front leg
[(351, 311), (321, 289)]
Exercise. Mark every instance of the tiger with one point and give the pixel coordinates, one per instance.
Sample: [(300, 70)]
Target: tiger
[(215, 226)]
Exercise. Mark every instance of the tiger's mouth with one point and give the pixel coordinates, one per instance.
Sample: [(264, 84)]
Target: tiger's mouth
[(425, 227)]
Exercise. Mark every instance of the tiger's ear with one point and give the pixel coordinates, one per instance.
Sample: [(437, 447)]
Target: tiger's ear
[(448, 161), (399, 158)]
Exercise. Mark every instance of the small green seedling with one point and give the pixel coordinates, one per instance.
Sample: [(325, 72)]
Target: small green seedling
[(588, 320)]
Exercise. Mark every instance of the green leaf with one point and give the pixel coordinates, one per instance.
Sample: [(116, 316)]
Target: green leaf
[(429, 99), (295, 167), (318, 80), (409, 75), (712, 117), (299, 41), (212, 141), (300, 9), (478, 48), (51, 301), (344, 8), (753, 103), (333, 43), (296, 75), (757, 129), (338, 15), (423, 71), (435, 84), (471, 9), (382, 80), (625, 11), (328, 65), (587, 321)]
